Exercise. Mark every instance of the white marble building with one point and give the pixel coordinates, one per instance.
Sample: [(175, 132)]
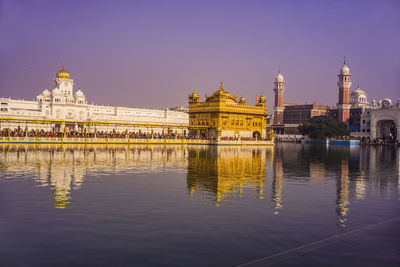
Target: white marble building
[(381, 120), (63, 104)]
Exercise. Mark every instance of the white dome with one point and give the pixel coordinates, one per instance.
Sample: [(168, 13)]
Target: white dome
[(345, 70), (79, 93), (279, 78), (385, 103), (358, 98), (358, 91), (46, 93), (56, 91)]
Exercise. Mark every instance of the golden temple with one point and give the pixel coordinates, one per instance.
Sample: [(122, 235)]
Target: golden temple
[(222, 116)]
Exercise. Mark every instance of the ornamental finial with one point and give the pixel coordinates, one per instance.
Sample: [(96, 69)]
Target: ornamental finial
[(221, 87), (344, 62)]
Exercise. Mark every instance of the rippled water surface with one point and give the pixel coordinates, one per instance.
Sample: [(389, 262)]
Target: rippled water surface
[(199, 206)]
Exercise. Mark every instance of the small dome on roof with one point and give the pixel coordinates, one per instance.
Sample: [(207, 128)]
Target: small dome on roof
[(279, 78), (358, 91), (63, 73), (56, 91), (345, 69), (385, 103), (193, 96), (46, 92), (358, 98), (79, 93)]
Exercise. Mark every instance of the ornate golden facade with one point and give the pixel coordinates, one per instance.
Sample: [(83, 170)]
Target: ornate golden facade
[(222, 115)]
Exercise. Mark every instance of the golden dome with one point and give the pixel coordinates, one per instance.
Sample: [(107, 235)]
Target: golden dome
[(63, 73), (262, 98), (193, 97)]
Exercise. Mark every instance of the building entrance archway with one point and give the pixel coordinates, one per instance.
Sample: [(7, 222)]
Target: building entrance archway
[(386, 129), (385, 123)]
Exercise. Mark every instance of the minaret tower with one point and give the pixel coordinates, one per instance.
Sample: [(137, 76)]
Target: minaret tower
[(279, 89), (344, 85)]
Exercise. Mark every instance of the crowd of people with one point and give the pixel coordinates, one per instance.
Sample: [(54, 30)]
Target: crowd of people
[(80, 134), (378, 141), (237, 138), (141, 135), (112, 134), (288, 139)]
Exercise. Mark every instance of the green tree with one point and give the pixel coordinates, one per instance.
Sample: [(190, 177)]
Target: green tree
[(322, 127)]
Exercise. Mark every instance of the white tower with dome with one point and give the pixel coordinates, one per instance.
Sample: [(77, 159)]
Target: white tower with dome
[(344, 85)]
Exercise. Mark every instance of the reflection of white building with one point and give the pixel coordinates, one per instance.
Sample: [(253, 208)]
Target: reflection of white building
[(62, 103), (64, 168)]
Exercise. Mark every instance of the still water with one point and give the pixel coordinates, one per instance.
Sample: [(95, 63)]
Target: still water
[(289, 205)]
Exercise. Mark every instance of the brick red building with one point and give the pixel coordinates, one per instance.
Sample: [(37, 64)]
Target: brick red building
[(288, 117)]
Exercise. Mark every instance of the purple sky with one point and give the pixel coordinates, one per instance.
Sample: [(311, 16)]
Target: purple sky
[(153, 53)]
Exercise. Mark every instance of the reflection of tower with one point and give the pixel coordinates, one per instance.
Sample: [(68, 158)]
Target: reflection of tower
[(360, 186), (344, 84), (364, 153), (357, 180), (222, 172), (277, 182), (372, 160), (317, 171), (342, 192), (279, 89)]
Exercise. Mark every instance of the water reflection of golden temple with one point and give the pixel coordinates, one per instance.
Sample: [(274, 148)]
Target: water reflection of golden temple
[(227, 171)]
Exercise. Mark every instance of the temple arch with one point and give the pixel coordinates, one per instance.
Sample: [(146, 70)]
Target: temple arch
[(385, 126)]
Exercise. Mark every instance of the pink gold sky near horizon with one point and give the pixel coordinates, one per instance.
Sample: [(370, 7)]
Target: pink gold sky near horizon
[(153, 53)]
